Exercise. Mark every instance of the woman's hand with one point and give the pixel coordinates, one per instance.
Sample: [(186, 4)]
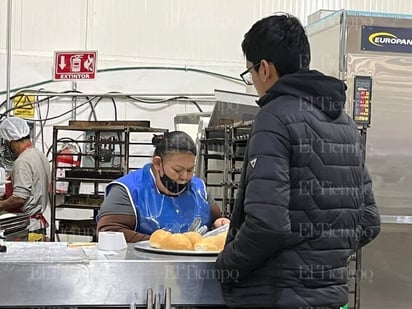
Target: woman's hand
[(220, 222)]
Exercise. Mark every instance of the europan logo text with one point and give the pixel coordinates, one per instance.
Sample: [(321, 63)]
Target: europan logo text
[(387, 38)]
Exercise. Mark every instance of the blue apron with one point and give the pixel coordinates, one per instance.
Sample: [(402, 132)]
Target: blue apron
[(155, 210)]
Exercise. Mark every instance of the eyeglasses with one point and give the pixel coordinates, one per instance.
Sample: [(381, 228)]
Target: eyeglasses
[(247, 76)]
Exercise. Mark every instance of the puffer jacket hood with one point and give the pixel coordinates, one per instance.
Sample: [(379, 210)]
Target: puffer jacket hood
[(325, 92)]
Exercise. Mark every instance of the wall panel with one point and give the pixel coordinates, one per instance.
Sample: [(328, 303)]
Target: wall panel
[(156, 31), (46, 25), (196, 34)]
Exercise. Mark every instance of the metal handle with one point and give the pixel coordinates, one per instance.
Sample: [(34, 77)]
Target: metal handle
[(157, 301), (168, 298), (154, 302), (149, 299)]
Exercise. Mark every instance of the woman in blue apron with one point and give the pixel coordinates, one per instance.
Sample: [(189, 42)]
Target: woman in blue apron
[(163, 194)]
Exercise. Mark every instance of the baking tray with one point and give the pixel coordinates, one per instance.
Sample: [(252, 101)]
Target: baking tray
[(145, 246)]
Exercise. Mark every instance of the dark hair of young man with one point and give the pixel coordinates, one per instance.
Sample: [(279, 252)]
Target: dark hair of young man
[(280, 39)]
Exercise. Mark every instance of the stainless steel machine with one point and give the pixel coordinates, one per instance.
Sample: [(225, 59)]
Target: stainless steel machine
[(372, 53)]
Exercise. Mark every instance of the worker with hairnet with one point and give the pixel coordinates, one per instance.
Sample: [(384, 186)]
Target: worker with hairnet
[(30, 176)]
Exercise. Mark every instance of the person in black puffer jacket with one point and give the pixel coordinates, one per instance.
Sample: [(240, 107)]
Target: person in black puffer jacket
[(305, 202)]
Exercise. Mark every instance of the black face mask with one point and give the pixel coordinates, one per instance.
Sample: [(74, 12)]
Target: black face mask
[(172, 185)]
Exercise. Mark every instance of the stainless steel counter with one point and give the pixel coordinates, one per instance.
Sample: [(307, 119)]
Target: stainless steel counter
[(51, 274)]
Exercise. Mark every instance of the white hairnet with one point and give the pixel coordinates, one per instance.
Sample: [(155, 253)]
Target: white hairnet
[(14, 128)]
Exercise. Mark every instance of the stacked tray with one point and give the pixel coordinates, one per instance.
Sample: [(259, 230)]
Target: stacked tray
[(14, 224)]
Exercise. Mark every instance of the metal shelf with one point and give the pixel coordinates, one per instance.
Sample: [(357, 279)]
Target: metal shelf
[(104, 141), (78, 206), (213, 156), (213, 172), (225, 145), (81, 179)]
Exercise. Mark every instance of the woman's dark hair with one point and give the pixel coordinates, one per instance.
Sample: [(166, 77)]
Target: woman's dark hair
[(175, 141), (280, 39)]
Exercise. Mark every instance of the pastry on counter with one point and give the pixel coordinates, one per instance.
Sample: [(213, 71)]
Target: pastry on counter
[(158, 237), (194, 237), (177, 241), (190, 241), (211, 243)]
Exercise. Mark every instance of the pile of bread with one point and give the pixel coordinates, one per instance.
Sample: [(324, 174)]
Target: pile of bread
[(162, 239)]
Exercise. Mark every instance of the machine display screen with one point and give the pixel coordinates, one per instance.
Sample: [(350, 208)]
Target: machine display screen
[(362, 100)]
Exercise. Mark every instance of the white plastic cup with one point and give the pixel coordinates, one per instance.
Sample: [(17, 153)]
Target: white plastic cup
[(111, 241)]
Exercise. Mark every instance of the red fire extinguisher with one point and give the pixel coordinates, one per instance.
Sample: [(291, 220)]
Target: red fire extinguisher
[(67, 158)]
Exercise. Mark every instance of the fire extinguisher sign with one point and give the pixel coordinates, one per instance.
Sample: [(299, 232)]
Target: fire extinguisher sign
[(74, 65)]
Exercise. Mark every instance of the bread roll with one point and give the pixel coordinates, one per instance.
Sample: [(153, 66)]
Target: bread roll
[(220, 240), (211, 243), (158, 237), (194, 237), (177, 241), (205, 245)]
